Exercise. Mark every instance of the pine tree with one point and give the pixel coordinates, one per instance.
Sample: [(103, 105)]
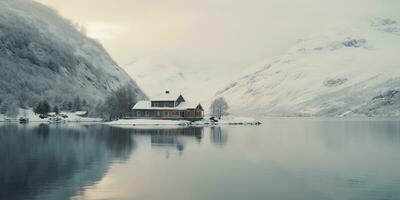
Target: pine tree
[(69, 106), (38, 108), (77, 104), (56, 110), (45, 107)]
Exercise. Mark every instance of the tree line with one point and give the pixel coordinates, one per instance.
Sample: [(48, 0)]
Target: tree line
[(117, 105), (44, 107)]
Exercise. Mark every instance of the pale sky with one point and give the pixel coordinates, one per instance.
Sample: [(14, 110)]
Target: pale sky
[(210, 32)]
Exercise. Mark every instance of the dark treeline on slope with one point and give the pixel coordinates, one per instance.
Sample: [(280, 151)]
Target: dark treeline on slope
[(117, 105), (44, 107)]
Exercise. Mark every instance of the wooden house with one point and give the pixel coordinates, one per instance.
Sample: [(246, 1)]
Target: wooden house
[(168, 106)]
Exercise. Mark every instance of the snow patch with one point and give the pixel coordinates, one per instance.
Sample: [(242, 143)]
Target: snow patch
[(33, 117), (327, 74)]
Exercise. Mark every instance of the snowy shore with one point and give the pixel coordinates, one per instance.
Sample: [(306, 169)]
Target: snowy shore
[(148, 122), (28, 113), (230, 120), (131, 123)]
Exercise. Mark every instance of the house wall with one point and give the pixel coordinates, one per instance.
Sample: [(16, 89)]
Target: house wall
[(168, 114), (163, 104)]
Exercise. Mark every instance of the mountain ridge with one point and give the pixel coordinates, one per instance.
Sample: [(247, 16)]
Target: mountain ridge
[(43, 56), (333, 73)]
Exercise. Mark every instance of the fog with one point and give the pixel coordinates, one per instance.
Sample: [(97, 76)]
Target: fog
[(210, 33)]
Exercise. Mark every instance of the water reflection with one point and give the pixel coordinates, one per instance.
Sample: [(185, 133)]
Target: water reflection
[(171, 138), (54, 162), (281, 159), (45, 161), (218, 136)]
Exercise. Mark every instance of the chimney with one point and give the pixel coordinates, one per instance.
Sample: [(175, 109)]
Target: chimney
[(167, 92)]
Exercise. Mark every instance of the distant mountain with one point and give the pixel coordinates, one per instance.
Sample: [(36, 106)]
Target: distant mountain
[(43, 56), (158, 73), (346, 71)]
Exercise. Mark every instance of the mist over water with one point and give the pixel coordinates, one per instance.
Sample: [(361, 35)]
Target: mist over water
[(281, 159)]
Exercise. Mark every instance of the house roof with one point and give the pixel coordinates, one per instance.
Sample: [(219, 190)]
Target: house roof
[(166, 97), (146, 105)]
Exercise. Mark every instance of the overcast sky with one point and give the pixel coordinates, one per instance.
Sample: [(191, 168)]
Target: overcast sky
[(210, 32)]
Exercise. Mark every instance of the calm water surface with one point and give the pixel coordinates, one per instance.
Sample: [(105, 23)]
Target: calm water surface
[(281, 159)]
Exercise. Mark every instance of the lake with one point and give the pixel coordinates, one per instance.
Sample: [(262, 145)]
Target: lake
[(284, 158)]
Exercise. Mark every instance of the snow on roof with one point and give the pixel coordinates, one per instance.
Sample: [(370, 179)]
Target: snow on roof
[(142, 105), (146, 105), (187, 105), (81, 112), (166, 97)]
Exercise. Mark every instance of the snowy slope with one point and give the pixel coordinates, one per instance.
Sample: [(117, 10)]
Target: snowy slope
[(43, 56), (158, 73), (351, 70)]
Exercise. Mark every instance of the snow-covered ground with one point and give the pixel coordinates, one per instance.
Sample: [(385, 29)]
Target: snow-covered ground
[(231, 120), (73, 117), (342, 71), (28, 113), (148, 123), (132, 123), (228, 120)]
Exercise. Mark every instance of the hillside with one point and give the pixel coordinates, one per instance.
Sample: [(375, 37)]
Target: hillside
[(43, 56), (155, 74), (352, 70)]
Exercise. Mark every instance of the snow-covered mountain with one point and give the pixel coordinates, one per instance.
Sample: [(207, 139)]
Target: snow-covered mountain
[(350, 70), (158, 73), (43, 56)]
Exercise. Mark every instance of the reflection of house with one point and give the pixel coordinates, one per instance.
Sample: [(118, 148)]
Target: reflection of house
[(167, 138), (174, 137), (168, 106)]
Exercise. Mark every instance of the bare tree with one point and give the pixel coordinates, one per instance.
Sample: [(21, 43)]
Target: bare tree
[(119, 104), (219, 107)]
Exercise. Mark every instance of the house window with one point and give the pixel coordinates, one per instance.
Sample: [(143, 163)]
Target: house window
[(138, 113), (166, 113), (147, 113)]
